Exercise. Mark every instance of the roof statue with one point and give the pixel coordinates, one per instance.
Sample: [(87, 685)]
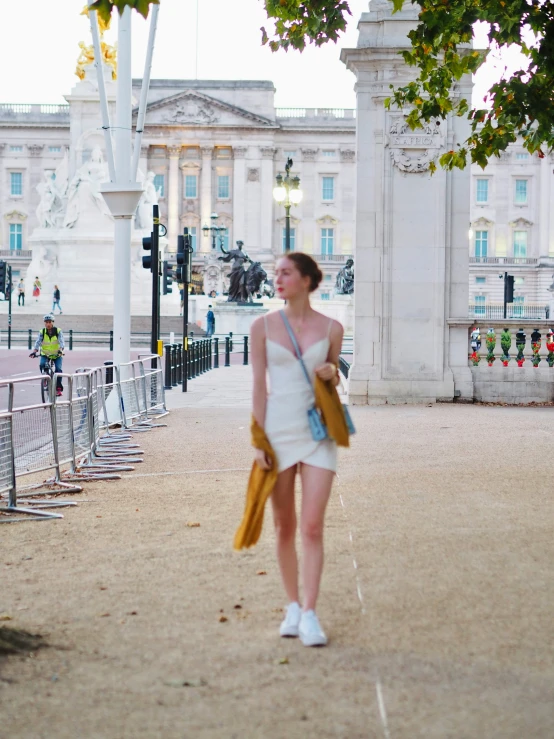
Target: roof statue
[(86, 57)]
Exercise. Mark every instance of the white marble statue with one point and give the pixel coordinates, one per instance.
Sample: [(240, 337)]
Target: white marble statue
[(150, 197), (84, 189), (53, 191)]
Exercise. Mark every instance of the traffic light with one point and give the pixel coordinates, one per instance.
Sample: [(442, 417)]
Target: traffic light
[(167, 284), (3, 276), (509, 288), (180, 271), (147, 244)]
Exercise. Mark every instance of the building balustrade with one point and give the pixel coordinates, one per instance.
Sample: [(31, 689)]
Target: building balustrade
[(337, 258), (315, 112), (508, 344), (495, 311), (504, 260), (44, 111), (14, 255)]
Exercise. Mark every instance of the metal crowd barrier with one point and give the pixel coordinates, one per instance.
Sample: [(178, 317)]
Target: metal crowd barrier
[(87, 431), (29, 445)]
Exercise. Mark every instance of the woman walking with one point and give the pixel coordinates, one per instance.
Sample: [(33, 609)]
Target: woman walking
[(283, 415), (36, 289), (56, 297)]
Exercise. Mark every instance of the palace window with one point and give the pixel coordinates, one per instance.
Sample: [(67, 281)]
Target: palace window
[(480, 280), (482, 192), (522, 155), (481, 244), (54, 149), (16, 149), (520, 244), (480, 301), (16, 236), (223, 186), (191, 186), (327, 240), (329, 153), (328, 188), (521, 192), (16, 183), (159, 184), (292, 239), (289, 154)]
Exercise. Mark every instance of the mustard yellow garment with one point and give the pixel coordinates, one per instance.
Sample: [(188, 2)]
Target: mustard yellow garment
[(328, 402), (260, 486)]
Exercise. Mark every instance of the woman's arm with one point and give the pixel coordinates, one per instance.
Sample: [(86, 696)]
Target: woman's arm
[(330, 370), (259, 366)]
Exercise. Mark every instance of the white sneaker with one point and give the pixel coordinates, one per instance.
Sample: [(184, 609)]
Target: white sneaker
[(310, 631), (289, 626)]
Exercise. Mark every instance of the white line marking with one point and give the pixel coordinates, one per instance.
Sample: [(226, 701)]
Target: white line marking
[(354, 561), (187, 472), (382, 709)]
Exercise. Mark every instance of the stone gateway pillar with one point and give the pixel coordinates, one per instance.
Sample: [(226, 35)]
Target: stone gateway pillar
[(412, 255)]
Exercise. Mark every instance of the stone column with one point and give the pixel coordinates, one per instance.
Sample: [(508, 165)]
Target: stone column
[(205, 244), (239, 193), (411, 258), (173, 195), (35, 176), (310, 187), (545, 248), (2, 200), (143, 161), (266, 211)]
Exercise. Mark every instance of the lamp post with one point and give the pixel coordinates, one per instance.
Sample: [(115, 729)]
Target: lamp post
[(287, 192), (215, 230)]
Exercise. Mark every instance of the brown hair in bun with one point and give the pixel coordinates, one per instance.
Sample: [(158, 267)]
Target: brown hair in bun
[(307, 266)]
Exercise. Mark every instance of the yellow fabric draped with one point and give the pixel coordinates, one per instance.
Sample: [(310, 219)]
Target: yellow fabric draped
[(328, 402), (261, 482), (260, 486)]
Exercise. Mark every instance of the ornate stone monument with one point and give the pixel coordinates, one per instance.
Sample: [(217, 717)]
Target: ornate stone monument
[(411, 296)]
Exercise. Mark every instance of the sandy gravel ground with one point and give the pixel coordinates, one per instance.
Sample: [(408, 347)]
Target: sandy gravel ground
[(437, 595)]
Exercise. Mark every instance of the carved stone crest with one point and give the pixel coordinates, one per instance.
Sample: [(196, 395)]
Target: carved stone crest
[(347, 155), (413, 151), (253, 175), (309, 155), (191, 111)]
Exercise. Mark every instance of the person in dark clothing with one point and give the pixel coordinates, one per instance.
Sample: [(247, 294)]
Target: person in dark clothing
[(210, 322), (56, 299)]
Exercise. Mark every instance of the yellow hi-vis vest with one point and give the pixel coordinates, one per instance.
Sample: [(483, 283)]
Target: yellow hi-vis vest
[(50, 346)]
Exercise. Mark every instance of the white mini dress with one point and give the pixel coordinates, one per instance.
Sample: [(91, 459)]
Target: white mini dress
[(289, 399)]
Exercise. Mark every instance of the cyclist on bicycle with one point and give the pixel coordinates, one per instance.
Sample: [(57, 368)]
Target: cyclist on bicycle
[(51, 344)]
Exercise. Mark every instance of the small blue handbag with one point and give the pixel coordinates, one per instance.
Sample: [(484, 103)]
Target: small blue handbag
[(317, 428)]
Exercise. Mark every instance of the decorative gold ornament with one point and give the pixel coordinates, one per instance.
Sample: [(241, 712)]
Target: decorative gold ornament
[(86, 57)]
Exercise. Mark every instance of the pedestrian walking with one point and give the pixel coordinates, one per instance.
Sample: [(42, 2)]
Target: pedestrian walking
[(36, 288), (210, 322), (56, 300), (297, 347), (21, 292)]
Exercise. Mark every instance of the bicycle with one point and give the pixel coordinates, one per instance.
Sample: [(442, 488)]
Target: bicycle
[(48, 369)]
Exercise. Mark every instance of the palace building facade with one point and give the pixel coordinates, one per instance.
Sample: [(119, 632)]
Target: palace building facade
[(216, 147)]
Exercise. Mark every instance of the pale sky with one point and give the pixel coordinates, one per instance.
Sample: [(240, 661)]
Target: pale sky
[(38, 51)]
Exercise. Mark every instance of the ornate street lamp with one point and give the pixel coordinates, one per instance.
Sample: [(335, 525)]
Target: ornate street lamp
[(215, 230), (287, 192)]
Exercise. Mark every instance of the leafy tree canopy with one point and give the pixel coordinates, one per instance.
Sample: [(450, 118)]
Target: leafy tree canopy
[(521, 104)]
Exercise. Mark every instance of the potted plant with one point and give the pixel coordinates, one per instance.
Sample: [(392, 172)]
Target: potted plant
[(505, 343), (491, 344), (550, 347)]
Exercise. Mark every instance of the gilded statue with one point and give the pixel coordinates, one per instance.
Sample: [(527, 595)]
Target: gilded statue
[(86, 57)]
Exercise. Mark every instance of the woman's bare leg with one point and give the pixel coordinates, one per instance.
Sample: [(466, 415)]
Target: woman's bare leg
[(284, 517), (316, 489)]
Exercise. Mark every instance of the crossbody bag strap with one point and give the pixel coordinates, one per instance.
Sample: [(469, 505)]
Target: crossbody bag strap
[(296, 347)]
